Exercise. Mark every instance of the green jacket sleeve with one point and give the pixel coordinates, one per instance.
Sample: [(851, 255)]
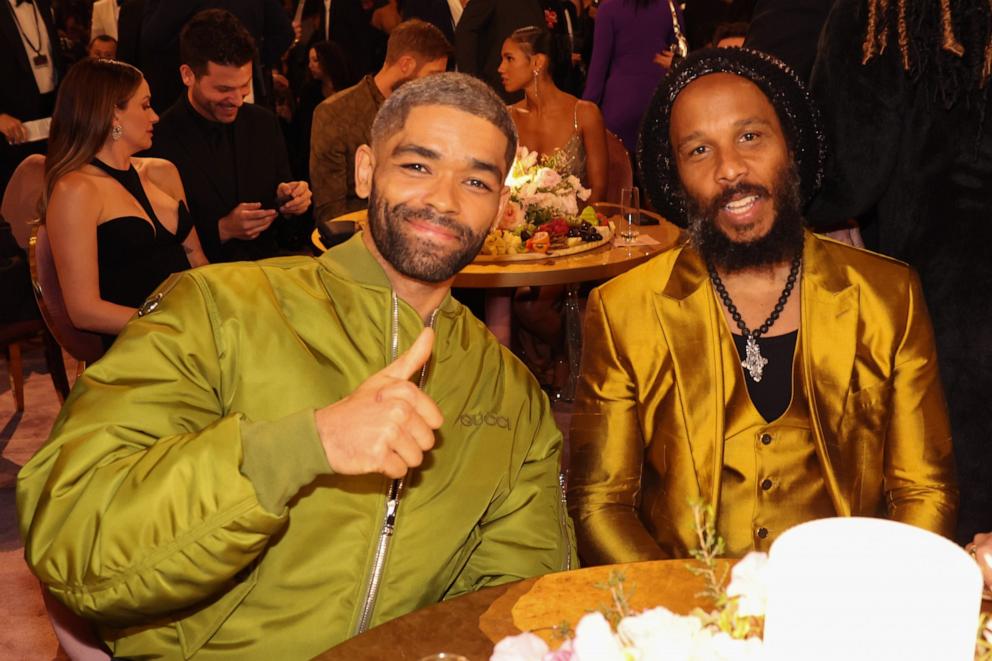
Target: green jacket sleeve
[(138, 504), (527, 531)]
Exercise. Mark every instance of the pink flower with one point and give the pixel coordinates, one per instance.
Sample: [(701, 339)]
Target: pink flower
[(512, 218), (547, 178)]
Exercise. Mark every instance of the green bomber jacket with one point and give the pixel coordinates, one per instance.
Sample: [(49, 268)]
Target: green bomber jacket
[(184, 504)]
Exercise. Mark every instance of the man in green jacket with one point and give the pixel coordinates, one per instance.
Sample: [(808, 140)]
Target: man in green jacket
[(255, 469)]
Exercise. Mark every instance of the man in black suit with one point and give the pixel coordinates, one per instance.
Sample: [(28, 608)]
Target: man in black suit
[(479, 37), (30, 68), (162, 20), (231, 154)]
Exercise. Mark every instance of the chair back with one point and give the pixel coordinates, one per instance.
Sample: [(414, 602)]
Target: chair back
[(81, 345), (620, 173), (20, 200)]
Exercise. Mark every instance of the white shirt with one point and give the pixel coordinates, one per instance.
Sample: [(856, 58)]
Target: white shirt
[(33, 31), (105, 16), (456, 11)]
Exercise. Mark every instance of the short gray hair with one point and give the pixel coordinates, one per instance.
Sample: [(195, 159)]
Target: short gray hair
[(455, 90)]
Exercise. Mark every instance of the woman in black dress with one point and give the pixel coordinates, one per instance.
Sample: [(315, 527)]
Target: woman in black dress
[(118, 225)]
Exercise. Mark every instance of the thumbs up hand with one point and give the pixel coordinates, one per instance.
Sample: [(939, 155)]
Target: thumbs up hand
[(387, 423)]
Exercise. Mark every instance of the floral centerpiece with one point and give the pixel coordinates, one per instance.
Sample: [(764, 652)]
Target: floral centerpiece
[(732, 631), (543, 212)]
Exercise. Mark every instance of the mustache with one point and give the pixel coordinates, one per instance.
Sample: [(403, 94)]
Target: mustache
[(743, 188), (444, 221)]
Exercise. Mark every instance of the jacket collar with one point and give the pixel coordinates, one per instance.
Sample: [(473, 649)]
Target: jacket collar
[(691, 320), (353, 261)]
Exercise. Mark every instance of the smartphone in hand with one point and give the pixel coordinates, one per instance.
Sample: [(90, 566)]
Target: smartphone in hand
[(279, 201)]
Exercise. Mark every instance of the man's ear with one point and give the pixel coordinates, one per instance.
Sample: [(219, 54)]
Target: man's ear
[(187, 75), (407, 64), (364, 169)]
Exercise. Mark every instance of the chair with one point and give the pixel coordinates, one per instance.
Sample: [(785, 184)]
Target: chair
[(18, 210), (12, 334), (84, 346), (20, 200), (620, 173)]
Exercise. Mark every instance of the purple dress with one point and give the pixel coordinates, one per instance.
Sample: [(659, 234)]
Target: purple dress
[(622, 72)]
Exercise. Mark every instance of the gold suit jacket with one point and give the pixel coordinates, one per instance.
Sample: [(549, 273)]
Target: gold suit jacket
[(648, 430)]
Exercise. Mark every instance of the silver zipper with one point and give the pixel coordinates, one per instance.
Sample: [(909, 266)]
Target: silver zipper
[(562, 513), (392, 496)]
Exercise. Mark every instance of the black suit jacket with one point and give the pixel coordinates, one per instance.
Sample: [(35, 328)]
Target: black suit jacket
[(436, 12), (789, 30), (484, 26), (262, 164), (19, 96)]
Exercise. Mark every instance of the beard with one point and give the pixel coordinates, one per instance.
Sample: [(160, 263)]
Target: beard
[(780, 244), (412, 255)]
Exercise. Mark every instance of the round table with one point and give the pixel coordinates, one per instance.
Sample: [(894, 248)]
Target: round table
[(602, 263), (472, 624)]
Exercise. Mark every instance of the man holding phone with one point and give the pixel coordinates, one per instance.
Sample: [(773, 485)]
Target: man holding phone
[(231, 154)]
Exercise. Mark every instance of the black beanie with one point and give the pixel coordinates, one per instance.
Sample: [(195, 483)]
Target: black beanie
[(796, 111)]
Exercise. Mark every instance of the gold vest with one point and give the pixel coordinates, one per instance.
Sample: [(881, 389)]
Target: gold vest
[(771, 477)]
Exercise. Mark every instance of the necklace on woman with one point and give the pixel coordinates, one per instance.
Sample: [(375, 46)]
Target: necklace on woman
[(753, 361)]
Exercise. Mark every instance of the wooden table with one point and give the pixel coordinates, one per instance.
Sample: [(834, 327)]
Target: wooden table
[(472, 624), (602, 263)]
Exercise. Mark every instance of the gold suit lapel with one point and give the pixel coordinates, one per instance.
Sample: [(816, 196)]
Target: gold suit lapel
[(690, 324), (830, 313)]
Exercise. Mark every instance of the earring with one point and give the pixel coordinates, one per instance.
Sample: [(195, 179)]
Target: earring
[(116, 132)]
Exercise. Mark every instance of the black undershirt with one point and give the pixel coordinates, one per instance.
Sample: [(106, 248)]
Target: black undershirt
[(771, 395)]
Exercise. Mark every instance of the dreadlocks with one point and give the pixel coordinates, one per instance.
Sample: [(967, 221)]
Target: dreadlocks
[(957, 41)]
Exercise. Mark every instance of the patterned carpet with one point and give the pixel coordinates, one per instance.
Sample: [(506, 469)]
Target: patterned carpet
[(25, 632)]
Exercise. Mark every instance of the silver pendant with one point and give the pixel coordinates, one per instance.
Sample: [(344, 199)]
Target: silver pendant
[(753, 361)]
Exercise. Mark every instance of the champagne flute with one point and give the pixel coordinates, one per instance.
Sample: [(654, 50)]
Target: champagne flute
[(630, 213)]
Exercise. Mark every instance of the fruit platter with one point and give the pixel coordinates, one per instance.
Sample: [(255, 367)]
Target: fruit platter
[(556, 238)]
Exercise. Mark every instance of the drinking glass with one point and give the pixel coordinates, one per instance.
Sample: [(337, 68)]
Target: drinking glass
[(630, 212)]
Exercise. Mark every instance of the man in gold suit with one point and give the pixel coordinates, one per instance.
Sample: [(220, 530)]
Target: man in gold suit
[(773, 374)]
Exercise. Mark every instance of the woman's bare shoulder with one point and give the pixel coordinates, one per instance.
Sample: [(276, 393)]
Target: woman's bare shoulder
[(588, 110), (162, 173)]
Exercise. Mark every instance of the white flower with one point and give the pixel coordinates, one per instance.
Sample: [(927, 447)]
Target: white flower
[(584, 193), (526, 158), (594, 640), (661, 634), (523, 647), (721, 647), (748, 581)]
